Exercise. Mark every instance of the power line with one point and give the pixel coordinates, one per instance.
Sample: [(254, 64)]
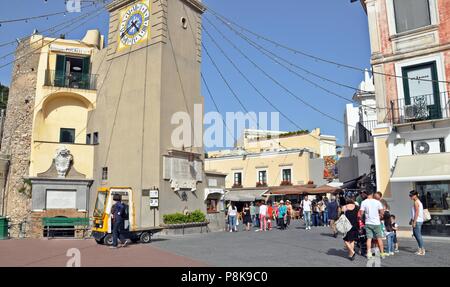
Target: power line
[(71, 22), (228, 84), (249, 82), (288, 91), (216, 106), (33, 17), (43, 31), (43, 45), (298, 52), (35, 106), (275, 59)]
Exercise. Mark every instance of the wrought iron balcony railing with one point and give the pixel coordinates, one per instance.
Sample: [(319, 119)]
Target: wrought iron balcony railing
[(418, 108), (364, 131), (72, 80)]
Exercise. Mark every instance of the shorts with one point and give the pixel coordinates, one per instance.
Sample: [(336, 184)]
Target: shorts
[(373, 231)]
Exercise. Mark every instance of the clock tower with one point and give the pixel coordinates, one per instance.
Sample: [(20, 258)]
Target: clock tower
[(149, 75)]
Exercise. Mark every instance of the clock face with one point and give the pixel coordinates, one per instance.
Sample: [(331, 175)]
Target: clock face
[(134, 24)]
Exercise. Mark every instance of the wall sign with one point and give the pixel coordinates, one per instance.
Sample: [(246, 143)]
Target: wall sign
[(154, 202), (73, 50), (154, 193)]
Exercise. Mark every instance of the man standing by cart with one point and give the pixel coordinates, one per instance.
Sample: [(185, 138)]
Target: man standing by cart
[(119, 214)]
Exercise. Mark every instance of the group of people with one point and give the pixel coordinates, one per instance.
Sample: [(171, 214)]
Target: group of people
[(320, 212), (261, 215), (373, 226), (372, 223)]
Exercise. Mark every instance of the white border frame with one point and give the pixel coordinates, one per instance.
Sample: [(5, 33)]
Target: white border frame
[(267, 174), (440, 69), (292, 172), (434, 17), (241, 171)]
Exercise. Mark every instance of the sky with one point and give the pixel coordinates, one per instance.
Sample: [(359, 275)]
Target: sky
[(331, 29)]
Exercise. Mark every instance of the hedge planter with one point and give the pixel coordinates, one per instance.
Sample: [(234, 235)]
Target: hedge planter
[(185, 228)]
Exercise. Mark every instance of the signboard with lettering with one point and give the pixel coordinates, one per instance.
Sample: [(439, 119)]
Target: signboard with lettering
[(154, 202), (154, 193), (72, 50)]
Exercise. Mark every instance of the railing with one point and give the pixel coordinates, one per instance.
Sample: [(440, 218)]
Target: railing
[(418, 108), (72, 80), (364, 131)]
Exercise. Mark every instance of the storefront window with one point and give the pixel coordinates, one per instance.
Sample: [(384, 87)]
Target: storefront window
[(435, 197)]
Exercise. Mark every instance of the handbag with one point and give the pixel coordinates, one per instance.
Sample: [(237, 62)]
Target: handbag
[(343, 225), (426, 215)]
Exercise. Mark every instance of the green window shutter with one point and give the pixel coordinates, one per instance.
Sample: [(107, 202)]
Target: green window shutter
[(85, 73), (60, 70)]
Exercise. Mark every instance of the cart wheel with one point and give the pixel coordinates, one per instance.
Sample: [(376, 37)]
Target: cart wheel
[(99, 241), (108, 239), (146, 237)]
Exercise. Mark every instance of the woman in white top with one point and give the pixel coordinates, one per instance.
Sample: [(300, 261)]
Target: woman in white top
[(417, 220), (232, 214)]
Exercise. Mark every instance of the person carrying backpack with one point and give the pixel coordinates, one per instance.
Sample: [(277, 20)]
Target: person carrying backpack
[(119, 214)]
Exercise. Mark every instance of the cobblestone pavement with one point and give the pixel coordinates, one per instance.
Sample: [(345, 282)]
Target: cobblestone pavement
[(58, 252), (293, 247)]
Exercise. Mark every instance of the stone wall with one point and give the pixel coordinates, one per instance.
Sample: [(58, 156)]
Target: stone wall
[(16, 140)]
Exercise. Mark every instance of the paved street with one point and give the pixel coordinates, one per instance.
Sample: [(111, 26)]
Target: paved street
[(43, 252), (293, 247)]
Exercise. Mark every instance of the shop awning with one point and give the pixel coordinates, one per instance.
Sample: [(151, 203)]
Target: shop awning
[(423, 167), (302, 189), (210, 191), (246, 195)]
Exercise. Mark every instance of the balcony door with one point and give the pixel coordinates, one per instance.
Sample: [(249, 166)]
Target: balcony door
[(421, 94), (72, 72)]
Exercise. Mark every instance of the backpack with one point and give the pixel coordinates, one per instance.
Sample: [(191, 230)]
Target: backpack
[(343, 225), (122, 210)]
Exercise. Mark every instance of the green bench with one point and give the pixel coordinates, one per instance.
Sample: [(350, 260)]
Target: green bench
[(61, 224)]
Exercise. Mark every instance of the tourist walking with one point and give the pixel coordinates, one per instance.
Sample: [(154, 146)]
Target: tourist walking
[(263, 217), (333, 214), (257, 225), (276, 206), (282, 212), (232, 217), (351, 212), (372, 210), (246, 217), (417, 219), (290, 213), (395, 228), (315, 213), (269, 216), (325, 216), (253, 213), (306, 206), (389, 232)]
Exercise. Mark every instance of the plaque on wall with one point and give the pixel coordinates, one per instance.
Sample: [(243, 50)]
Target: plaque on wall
[(182, 172)]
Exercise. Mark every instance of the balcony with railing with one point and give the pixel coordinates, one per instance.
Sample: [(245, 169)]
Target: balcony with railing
[(71, 80), (418, 109)]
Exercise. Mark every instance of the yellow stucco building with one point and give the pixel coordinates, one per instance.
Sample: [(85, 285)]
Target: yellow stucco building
[(264, 158), (65, 93)]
